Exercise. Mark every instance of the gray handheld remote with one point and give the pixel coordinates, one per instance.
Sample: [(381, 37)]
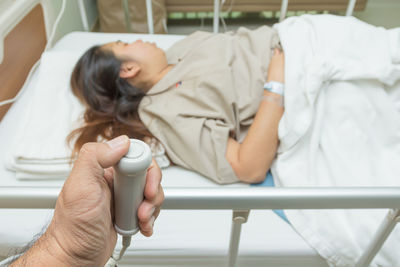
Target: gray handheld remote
[(129, 182)]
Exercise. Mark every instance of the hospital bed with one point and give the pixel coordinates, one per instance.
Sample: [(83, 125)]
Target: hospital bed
[(201, 224)]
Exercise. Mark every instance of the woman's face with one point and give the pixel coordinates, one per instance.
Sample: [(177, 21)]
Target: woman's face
[(149, 59), (138, 51)]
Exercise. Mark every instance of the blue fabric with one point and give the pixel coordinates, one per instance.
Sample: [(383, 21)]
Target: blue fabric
[(269, 181)]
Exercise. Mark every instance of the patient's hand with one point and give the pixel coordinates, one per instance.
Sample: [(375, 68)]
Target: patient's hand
[(276, 68)]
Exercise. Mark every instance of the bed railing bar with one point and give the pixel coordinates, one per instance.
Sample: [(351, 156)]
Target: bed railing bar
[(282, 198), (238, 218), (30, 198), (284, 7), (84, 17), (150, 21), (216, 16), (233, 198), (127, 16), (386, 227), (350, 7)]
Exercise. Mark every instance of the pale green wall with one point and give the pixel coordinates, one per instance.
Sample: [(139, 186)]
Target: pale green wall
[(384, 13), (91, 11), (71, 20)]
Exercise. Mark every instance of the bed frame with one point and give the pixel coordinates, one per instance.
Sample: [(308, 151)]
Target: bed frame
[(16, 55), (252, 5), (242, 200), (257, 5), (239, 200)]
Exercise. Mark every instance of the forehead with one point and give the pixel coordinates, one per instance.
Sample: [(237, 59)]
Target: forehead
[(111, 45)]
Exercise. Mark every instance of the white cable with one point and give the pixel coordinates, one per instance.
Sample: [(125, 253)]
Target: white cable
[(113, 261), (48, 45), (230, 6), (126, 242), (8, 101), (228, 10), (201, 23), (224, 24), (220, 15), (164, 20), (10, 260), (159, 5)]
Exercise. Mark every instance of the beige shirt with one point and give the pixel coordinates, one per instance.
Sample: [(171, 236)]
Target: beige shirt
[(212, 92)]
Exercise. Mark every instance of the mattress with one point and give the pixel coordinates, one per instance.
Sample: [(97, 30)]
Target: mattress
[(181, 237)]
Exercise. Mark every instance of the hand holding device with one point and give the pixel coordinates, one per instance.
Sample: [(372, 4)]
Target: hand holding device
[(129, 182)]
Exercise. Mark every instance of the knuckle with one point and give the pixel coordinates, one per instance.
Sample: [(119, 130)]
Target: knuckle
[(142, 215), (144, 212), (161, 194), (148, 226), (87, 150), (87, 155), (159, 174), (144, 226)]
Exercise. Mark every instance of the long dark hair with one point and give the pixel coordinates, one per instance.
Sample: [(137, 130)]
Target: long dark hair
[(111, 101)]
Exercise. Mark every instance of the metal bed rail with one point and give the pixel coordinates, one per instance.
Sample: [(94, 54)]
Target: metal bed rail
[(217, 3), (234, 198), (242, 200), (284, 7)]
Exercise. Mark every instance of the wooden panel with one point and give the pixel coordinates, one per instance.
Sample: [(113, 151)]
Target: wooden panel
[(261, 5), (22, 48)]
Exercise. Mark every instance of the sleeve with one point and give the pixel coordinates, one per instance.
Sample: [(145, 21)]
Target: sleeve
[(260, 42), (198, 144), (179, 49)]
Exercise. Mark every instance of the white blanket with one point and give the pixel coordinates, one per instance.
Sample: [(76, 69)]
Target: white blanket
[(340, 127), (41, 151)]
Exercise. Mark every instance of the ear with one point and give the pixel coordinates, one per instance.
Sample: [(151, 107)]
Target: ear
[(129, 70)]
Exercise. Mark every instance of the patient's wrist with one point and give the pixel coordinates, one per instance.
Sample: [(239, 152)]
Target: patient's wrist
[(273, 98), (276, 78)]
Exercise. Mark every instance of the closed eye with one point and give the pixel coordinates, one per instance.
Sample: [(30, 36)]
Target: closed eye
[(119, 42)]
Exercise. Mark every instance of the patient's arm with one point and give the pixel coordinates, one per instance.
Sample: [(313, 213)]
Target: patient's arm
[(251, 159)]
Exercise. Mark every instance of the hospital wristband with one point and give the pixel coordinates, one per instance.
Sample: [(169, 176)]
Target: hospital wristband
[(274, 87)]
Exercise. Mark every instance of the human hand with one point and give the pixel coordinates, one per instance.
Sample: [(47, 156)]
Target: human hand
[(276, 68), (82, 230)]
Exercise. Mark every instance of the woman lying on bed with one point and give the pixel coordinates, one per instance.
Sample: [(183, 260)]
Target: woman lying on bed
[(203, 99)]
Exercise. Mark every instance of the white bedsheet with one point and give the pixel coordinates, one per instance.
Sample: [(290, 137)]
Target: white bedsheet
[(181, 238), (340, 127)]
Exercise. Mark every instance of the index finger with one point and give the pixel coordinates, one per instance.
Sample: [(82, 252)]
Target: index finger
[(153, 181)]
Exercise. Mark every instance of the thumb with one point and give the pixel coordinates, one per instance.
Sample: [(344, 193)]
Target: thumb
[(95, 157), (109, 153), (93, 161), (103, 154)]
